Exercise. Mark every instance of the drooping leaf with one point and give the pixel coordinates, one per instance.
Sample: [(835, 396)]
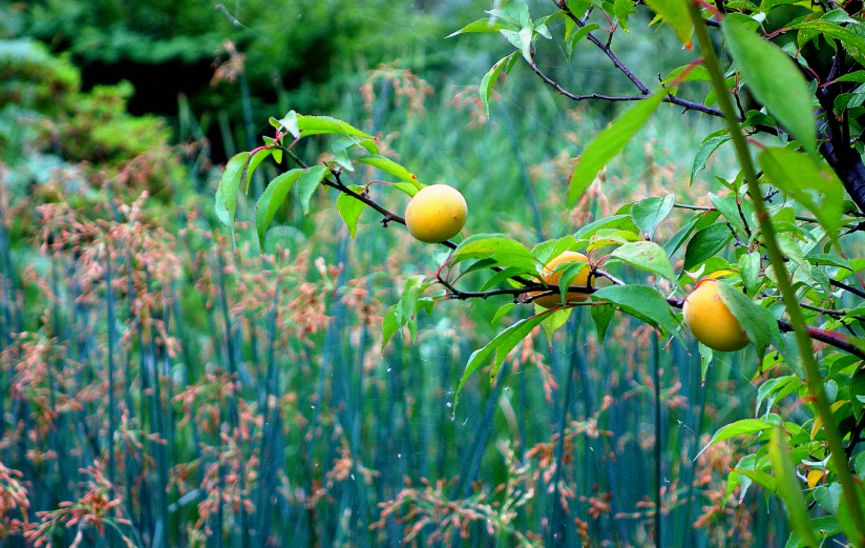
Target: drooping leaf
[(229, 184), (408, 305), (675, 14), (555, 320), (500, 345), (774, 79), (389, 325), (393, 168), (641, 302), (503, 309), (307, 184), (602, 315), (749, 264), (272, 199), (813, 185), (609, 143), (707, 147), (647, 256), (350, 209), (788, 487), (741, 428), (488, 82), (254, 162), (757, 322), (574, 38), (706, 357), (650, 212)]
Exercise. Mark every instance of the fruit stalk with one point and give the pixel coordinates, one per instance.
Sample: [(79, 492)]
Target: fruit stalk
[(797, 320)]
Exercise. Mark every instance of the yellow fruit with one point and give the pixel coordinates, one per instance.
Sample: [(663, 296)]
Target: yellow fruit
[(710, 320), (436, 213), (552, 278)]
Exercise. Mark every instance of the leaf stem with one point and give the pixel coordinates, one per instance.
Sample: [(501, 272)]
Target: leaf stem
[(797, 320)]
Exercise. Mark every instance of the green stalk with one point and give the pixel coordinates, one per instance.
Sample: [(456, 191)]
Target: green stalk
[(797, 320)]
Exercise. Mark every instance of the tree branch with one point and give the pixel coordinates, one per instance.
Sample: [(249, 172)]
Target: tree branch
[(672, 99)]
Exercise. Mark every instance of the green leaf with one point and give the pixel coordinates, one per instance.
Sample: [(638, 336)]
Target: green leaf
[(389, 166), (740, 428), (774, 80), (853, 42), (757, 322), (407, 307), (229, 184), (288, 123), (673, 244), (489, 80), (479, 25), (622, 9), (254, 162), (271, 199), (307, 184), (760, 478), (828, 496), (706, 243), (726, 205), (504, 276), (706, 357), (389, 325), (550, 249), (552, 322), (505, 251), (350, 209), (707, 147), (501, 345), (641, 302), (408, 188), (650, 212), (522, 40), (319, 125), (675, 14), (574, 38), (647, 256), (602, 315), (609, 143), (503, 309), (624, 222), (788, 487), (515, 13), (813, 185), (749, 265)]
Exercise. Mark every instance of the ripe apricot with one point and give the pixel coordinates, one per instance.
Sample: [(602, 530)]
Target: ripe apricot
[(436, 213), (711, 321), (552, 278)]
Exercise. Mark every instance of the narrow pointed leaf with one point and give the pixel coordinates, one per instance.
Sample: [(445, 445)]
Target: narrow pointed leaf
[(608, 144)]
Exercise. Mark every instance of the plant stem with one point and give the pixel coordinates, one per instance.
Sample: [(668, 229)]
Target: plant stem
[(797, 320)]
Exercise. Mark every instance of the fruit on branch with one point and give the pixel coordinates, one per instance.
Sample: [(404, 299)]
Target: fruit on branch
[(710, 320), (436, 213), (552, 277)]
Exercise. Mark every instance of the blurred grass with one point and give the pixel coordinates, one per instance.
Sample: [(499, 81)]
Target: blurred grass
[(244, 400)]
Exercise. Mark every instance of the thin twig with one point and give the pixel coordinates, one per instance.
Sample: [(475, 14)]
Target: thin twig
[(672, 99)]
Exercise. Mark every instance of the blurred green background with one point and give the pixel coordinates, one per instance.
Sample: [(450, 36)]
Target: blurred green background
[(233, 398)]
